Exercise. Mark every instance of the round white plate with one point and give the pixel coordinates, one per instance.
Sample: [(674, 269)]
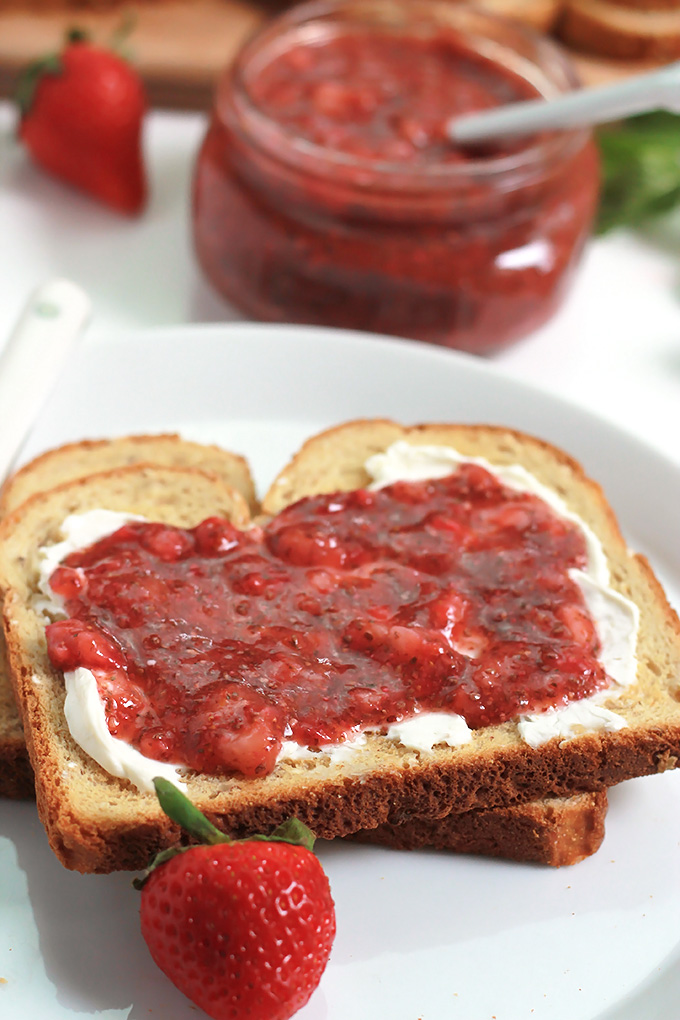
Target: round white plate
[(421, 936)]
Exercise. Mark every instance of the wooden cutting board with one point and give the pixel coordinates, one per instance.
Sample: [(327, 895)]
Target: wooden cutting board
[(179, 47)]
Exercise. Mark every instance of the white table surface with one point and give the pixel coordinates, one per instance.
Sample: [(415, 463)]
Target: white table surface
[(614, 346)]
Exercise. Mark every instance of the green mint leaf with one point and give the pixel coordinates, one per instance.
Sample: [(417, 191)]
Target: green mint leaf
[(640, 160)]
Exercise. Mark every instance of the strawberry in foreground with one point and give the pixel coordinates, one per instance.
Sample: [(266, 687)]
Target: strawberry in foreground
[(81, 119), (243, 928)]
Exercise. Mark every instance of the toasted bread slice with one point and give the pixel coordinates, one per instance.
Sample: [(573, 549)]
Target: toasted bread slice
[(181, 496), (67, 463), (557, 831), (650, 5), (90, 456), (98, 823), (621, 30), (16, 775), (551, 822), (538, 14)]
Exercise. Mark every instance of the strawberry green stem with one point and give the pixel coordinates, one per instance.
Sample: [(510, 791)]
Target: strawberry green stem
[(180, 809), (291, 831), (77, 35), (30, 78)]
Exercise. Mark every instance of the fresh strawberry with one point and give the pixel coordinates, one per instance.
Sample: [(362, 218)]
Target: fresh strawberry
[(243, 928), (81, 119)]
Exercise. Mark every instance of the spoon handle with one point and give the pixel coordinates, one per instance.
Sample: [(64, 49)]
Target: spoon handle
[(51, 322), (582, 108)]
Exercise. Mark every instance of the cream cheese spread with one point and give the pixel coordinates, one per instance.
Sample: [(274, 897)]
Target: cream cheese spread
[(83, 708), (616, 620), (86, 720), (616, 617)]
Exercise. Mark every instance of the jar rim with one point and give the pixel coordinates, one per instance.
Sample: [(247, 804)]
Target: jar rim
[(526, 162)]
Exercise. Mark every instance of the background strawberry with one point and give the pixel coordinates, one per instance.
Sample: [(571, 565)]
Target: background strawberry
[(81, 118), (244, 928)]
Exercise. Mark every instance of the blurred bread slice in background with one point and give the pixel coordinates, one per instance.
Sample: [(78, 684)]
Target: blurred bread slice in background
[(651, 5), (539, 14), (625, 30)]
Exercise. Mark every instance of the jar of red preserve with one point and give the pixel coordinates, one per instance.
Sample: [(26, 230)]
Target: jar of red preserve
[(327, 192)]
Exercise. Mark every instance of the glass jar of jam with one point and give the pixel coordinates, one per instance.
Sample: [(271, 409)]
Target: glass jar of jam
[(327, 192)]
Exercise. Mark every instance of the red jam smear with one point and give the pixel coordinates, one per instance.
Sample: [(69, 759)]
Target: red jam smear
[(211, 646), (383, 96)]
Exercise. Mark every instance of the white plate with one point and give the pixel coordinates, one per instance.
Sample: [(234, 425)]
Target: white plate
[(420, 935)]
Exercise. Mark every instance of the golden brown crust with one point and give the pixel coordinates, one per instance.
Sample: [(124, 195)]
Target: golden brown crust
[(333, 460), (96, 823), (16, 774), (621, 32), (557, 831), (89, 456)]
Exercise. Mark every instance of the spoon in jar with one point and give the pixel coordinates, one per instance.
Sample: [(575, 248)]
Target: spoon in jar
[(656, 90), (53, 319)]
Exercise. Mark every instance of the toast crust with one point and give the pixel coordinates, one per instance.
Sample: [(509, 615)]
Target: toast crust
[(556, 831), (92, 456), (97, 823)]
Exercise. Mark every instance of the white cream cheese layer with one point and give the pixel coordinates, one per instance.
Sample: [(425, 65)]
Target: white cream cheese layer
[(616, 617), (424, 731), (86, 720), (616, 620), (83, 708)]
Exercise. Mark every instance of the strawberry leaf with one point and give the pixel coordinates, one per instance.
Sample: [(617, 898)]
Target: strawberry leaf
[(180, 809), (77, 35), (291, 831), (640, 160), (31, 77), (160, 858)]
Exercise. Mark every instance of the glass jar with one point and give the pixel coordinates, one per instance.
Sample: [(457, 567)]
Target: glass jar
[(471, 252)]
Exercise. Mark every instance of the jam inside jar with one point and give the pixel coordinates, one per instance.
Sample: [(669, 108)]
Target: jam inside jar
[(326, 191)]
